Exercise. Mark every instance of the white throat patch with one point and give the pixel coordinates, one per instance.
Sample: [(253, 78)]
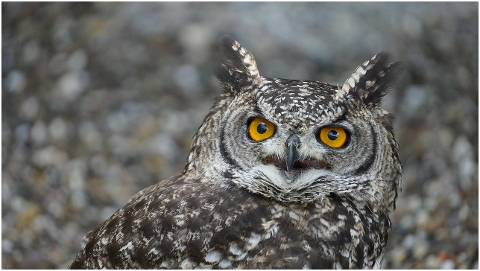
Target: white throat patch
[(278, 178)]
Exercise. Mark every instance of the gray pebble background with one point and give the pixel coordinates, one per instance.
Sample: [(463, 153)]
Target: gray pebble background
[(100, 100)]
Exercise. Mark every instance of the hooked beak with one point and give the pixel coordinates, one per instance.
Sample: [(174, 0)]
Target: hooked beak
[(291, 166), (293, 143)]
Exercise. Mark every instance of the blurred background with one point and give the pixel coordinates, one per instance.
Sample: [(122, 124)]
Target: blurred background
[(100, 100)]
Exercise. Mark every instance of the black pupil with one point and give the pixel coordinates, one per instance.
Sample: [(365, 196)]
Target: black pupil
[(332, 134), (262, 128)]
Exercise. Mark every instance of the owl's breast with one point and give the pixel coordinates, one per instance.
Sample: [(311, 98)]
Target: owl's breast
[(239, 229), (327, 233)]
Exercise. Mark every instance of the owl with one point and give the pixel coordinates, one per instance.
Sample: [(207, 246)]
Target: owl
[(281, 174)]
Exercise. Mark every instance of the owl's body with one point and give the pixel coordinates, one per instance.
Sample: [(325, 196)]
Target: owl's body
[(281, 174)]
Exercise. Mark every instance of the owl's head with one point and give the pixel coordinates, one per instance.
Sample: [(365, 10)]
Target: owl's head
[(299, 141)]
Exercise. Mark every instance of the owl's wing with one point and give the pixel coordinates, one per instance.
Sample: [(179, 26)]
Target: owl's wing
[(178, 224)]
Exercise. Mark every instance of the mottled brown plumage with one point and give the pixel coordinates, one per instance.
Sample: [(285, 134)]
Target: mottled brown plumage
[(291, 199)]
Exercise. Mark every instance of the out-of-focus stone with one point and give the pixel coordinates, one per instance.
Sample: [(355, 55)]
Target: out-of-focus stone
[(464, 156), (72, 84), (197, 39), (399, 256), (76, 179), (420, 250), (447, 264), (187, 77), (15, 81), (30, 107), (39, 133), (91, 136), (24, 219), (31, 51), (431, 262), (49, 156), (58, 129), (77, 61)]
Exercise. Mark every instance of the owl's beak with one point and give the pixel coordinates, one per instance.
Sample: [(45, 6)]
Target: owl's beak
[(292, 165), (293, 143)]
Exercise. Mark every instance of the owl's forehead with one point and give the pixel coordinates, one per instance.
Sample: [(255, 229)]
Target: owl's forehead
[(296, 103)]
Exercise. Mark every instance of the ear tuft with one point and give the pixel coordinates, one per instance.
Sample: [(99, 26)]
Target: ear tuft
[(235, 66), (371, 80)]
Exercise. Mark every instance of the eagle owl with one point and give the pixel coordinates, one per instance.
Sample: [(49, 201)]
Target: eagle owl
[(281, 174)]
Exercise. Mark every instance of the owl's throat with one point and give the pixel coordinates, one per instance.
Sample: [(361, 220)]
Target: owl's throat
[(298, 167)]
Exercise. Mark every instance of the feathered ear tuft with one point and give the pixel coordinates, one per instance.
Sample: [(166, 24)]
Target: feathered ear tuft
[(371, 80), (235, 66)]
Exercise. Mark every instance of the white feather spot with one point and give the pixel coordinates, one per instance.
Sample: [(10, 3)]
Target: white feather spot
[(356, 77), (253, 242), (225, 263), (324, 222), (274, 230), (345, 253), (235, 250), (351, 82), (361, 71), (242, 51), (370, 83), (293, 215), (247, 59), (153, 251), (129, 246), (188, 264), (179, 219), (252, 70), (213, 256), (241, 257), (277, 215)]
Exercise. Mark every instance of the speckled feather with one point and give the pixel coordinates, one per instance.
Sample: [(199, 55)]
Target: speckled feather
[(185, 223), (231, 209)]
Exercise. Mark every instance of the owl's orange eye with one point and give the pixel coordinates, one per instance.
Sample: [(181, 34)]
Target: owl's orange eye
[(334, 137), (260, 129)]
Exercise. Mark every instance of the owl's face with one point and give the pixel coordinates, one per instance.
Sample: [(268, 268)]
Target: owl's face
[(288, 133), (300, 140)]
